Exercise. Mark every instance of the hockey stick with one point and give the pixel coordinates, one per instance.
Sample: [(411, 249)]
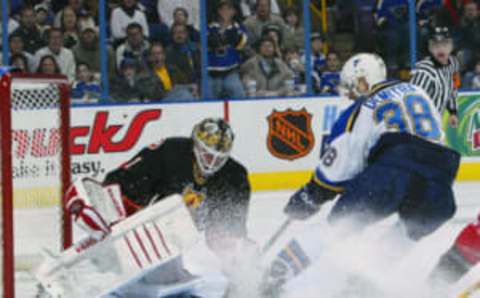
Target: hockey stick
[(276, 235), (470, 290)]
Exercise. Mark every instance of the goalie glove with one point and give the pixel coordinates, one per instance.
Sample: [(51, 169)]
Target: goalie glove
[(307, 201), (86, 217), (94, 208)]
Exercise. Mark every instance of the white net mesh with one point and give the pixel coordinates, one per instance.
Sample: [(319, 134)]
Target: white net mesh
[(37, 174), (31, 96)]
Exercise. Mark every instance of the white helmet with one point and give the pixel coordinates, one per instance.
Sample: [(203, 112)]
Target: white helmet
[(370, 67)]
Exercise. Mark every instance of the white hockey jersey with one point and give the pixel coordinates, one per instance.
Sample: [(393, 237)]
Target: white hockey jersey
[(391, 107)]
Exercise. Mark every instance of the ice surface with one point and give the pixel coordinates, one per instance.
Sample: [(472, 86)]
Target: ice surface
[(328, 277), (358, 262)]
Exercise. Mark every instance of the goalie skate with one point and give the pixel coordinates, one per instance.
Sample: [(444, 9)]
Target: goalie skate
[(146, 289)]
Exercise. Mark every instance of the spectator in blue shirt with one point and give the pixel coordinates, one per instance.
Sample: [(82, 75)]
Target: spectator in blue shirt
[(426, 10), (318, 60), (331, 76), (159, 31), (391, 17), (391, 13), (226, 39), (85, 88)]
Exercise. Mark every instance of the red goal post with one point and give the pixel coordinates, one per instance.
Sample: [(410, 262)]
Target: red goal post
[(35, 168)]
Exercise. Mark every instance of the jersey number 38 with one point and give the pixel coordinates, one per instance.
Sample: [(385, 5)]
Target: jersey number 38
[(416, 118)]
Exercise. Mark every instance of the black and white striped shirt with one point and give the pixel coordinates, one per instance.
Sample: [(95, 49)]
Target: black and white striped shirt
[(439, 81)]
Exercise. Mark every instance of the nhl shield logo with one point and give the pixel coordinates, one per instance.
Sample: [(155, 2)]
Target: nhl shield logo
[(290, 134)]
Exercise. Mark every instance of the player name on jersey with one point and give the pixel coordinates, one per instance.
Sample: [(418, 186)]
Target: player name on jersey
[(386, 94)]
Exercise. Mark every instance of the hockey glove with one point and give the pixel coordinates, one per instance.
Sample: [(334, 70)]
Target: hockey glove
[(85, 215), (307, 201)]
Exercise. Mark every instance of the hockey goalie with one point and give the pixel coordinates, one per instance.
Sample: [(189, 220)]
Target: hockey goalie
[(147, 213)]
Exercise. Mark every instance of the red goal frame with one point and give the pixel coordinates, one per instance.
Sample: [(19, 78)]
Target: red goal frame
[(6, 80)]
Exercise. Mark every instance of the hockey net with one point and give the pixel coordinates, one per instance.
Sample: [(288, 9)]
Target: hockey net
[(35, 167)]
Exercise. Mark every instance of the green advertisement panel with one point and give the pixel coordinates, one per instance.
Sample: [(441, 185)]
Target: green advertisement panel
[(466, 137)]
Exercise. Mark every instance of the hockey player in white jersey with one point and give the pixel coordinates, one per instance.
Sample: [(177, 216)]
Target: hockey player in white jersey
[(385, 155)]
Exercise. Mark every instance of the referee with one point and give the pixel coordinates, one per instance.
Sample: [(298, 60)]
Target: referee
[(438, 73)]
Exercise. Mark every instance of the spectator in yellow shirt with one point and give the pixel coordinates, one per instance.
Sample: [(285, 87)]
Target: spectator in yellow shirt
[(168, 74)]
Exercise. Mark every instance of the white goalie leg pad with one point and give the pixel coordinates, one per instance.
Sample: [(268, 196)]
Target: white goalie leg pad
[(94, 208), (135, 246), (171, 278)]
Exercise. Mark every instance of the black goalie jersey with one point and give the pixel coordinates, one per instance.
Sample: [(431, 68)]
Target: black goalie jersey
[(218, 203)]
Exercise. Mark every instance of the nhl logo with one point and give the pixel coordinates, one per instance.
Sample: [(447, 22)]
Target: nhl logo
[(290, 134)]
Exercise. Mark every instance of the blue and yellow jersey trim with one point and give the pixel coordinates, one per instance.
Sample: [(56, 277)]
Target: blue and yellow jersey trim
[(382, 85), (352, 118), (321, 180), (346, 121), (243, 41)]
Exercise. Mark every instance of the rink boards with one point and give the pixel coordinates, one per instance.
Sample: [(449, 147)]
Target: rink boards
[(278, 140)]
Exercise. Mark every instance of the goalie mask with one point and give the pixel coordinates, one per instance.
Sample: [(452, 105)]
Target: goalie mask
[(212, 143), (360, 73)]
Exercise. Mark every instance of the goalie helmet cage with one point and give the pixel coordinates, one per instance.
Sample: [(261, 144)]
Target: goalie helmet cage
[(34, 116)]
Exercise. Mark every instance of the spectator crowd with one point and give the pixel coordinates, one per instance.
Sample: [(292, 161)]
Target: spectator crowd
[(153, 47), (255, 48)]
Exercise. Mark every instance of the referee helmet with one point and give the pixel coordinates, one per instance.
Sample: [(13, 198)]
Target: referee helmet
[(440, 34), (440, 44)]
